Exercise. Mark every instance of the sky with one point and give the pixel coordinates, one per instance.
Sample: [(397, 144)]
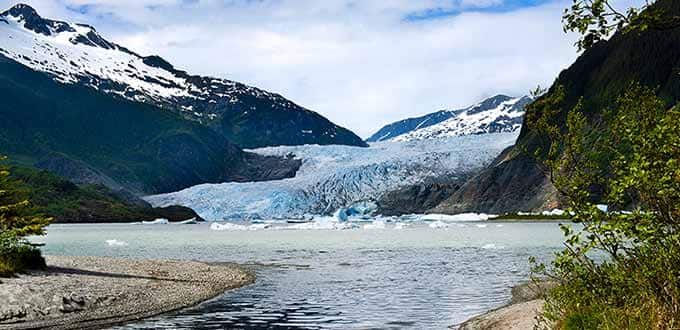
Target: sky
[(360, 63)]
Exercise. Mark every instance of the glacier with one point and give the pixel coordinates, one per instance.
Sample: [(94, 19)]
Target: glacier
[(335, 177)]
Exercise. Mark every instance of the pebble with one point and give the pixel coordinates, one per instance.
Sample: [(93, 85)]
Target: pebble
[(88, 291)]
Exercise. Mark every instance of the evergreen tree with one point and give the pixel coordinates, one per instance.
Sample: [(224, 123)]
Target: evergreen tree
[(17, 221)]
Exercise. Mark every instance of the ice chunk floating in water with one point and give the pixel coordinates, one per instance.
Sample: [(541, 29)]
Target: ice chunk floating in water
[(334, 177), (439, 225), (191, 221), (156, 222), (232, 226), (378, 224), (115, 242), (457, 217)]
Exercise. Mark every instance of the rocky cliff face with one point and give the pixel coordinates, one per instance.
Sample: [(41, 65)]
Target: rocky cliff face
[(512, 183), (599, 76), (418, 198)]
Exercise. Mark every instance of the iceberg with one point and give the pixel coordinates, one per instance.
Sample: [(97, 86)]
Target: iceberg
[(260, 226), (362, 209), (323, 224), (335, 177), (439, 225), (235, 227), (456, 218), (115, 242), (191, 221), (341, 215), (375, 225), (159, 221), (227, 226), (554, 212)]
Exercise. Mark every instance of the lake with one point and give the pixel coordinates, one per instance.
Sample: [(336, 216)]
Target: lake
[(415, 278)]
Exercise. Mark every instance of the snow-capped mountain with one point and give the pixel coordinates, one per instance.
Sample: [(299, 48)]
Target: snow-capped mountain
[(332, 177), (500, 113), (78, 54)]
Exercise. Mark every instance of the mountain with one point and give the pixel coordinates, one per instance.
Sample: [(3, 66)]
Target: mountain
[(496, 114), (76, 54), (514, 181), (393, 130), (90, 137), (334, 177)]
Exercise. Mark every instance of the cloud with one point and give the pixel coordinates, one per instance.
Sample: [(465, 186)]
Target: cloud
[(362, 63)]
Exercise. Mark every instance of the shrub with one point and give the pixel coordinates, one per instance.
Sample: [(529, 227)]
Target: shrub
[(622, 269), (17, 220), (18, 257)]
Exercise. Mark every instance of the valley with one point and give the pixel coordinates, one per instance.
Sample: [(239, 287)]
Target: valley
[(135, 194)]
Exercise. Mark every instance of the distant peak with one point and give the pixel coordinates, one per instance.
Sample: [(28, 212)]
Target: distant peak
[(500, 98), (22, 10), (32, 21), (28, 17)]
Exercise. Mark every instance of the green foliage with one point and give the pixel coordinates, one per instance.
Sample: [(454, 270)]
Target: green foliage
[(622, 269), (17, 220), (16, 257), (17, 217), (67, 202), (139, 146), (596, 20)]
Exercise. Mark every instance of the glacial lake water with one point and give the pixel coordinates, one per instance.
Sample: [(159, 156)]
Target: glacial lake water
[(415, 278)]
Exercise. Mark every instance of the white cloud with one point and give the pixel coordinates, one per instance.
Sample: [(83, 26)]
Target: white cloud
[(360, 63)]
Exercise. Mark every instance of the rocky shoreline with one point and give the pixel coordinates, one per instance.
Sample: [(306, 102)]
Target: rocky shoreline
[(522, 313), (94, 292)]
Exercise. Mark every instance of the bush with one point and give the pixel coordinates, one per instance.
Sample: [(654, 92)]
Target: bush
[(622, 270), (18, 257), (18, 219)]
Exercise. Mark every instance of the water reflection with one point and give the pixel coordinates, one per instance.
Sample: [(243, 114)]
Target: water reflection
[(419, 278)]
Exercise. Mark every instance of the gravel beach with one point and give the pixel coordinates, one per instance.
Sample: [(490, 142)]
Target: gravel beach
[(521, 314), (94, 292)]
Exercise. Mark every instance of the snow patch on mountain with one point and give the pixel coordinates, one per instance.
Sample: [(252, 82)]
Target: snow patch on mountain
[(77, 54), (497, 114), (67, 52), (332, 177), (505, 117)]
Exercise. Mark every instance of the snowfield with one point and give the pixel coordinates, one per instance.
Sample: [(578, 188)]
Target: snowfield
[(76, 54), (506, 117), (333, 177)]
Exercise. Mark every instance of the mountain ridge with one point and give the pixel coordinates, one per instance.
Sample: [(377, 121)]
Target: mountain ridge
[(77, 54), (500, 113), (82, 134)]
